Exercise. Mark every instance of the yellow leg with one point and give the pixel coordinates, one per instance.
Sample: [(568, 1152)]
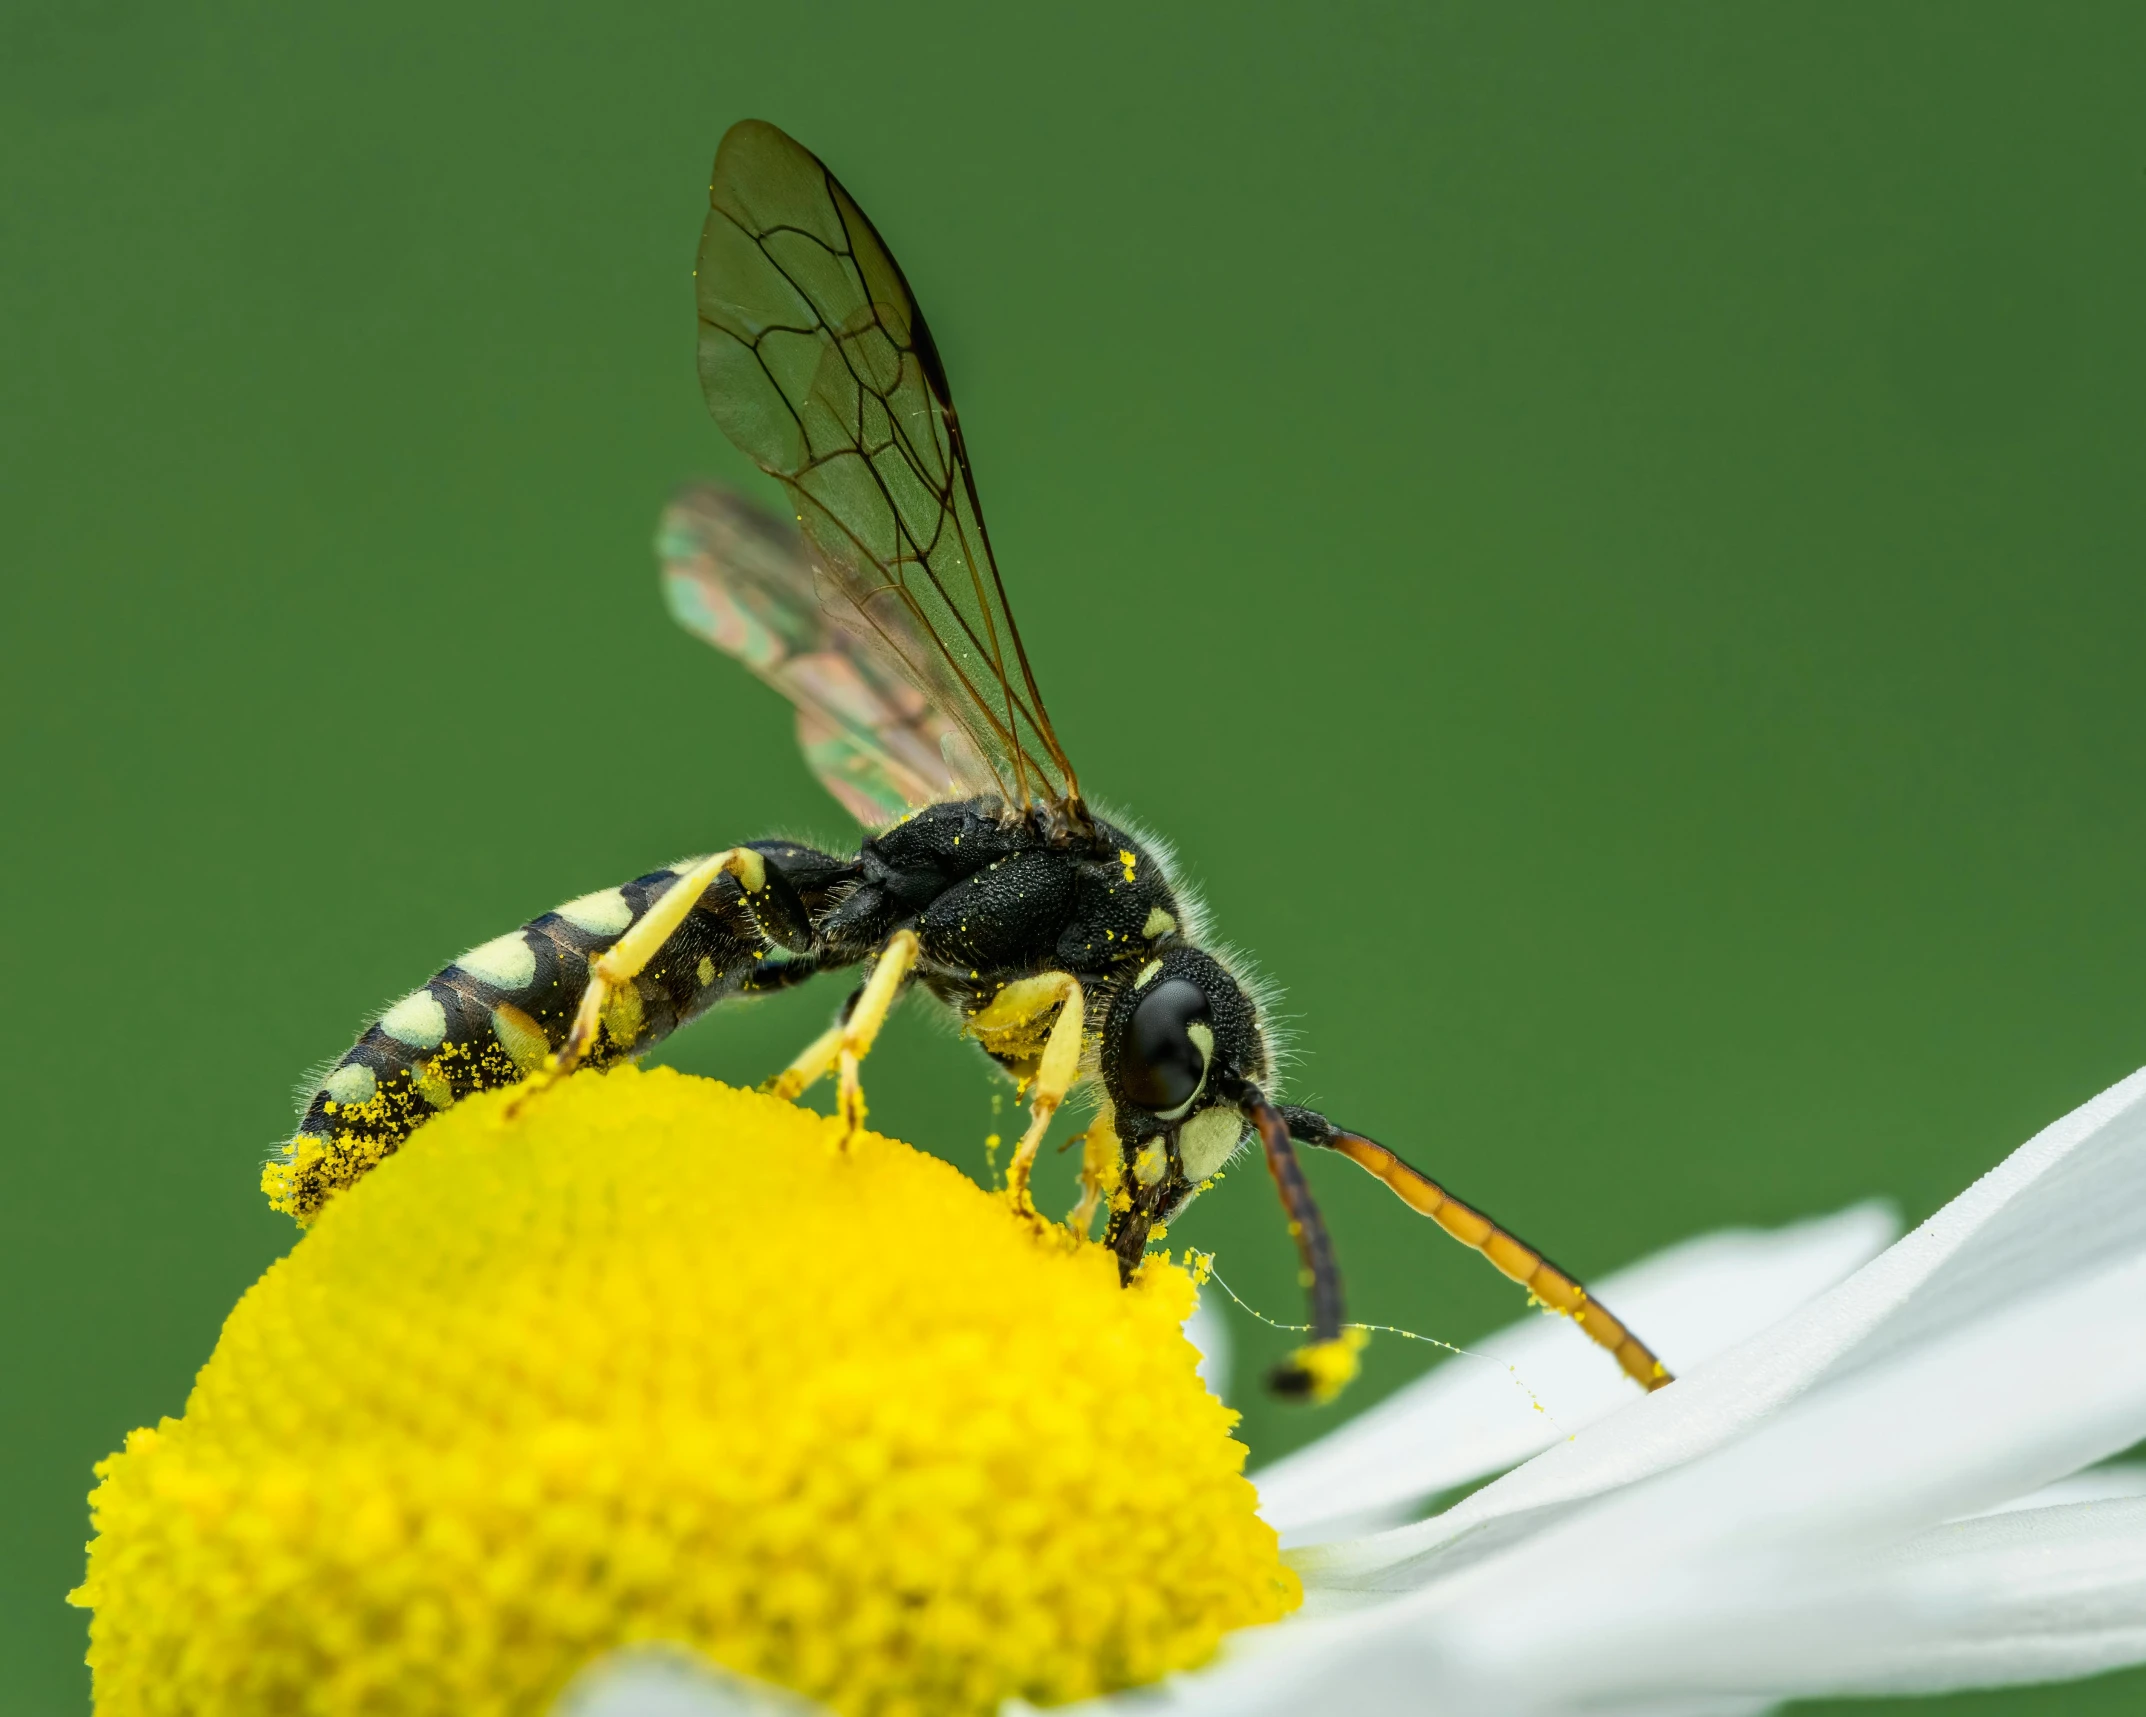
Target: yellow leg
[(1018, 1006), (623, 961), (854, 1038), (1102, 1166), (813, 1064)]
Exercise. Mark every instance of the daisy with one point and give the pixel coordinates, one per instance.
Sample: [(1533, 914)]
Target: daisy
[(659, 1400)]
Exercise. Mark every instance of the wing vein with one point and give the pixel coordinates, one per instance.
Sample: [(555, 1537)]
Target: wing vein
[(819, 364)]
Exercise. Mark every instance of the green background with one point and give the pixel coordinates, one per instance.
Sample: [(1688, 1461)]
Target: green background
[(1612, 544)]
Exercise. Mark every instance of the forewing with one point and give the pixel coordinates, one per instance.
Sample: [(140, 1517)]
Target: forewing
[(740, 578), (817, 362)]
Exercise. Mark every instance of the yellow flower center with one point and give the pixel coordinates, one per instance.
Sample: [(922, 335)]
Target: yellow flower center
[(660, 1360)]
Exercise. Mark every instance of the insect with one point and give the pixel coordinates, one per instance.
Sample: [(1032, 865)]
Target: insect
[(1060, 940)]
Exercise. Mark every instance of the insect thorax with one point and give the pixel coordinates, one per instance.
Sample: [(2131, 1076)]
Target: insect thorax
[(993, 900)]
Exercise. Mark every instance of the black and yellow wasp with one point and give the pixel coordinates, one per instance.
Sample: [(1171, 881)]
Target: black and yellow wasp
[(1060, 940)]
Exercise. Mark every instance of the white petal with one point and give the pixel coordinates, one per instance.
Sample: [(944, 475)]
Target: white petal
[(2035, 1595), (1540, 1380), (2071, 1198), (1208, 1330), (2032, 1595), (1686, 1584), (1656, 1561), (1772, 1566), (670, 1681), (2096, 1484)]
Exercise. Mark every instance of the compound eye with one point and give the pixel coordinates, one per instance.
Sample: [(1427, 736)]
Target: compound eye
[(1162, 1061)]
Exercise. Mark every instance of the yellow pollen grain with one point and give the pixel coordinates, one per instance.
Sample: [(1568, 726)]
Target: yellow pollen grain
[(521, 1037), (659, 1360), (622, 1015)]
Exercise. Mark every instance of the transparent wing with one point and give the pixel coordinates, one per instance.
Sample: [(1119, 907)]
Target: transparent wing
[(817, 362), (740, 578)]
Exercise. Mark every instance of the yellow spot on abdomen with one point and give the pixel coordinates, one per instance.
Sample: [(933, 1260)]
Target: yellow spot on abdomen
[(432, 1084), (622, 1016), (521, 1037), (351, 1084), (417, 1020), (506, 962), (604, 913)]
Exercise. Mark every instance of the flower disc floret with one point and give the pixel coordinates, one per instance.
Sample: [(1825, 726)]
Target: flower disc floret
[(660, 1360)]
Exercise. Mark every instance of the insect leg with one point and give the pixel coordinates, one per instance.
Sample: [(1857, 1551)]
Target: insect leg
[(1513, 1257), (860, 1026), (814, 1062), (621, 963), (1102, 1168), (1019, 1005)]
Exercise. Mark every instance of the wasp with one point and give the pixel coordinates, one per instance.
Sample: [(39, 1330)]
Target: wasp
[(1062, 941)]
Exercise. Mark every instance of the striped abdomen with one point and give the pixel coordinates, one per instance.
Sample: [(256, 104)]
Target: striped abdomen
[(492, 1017)]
